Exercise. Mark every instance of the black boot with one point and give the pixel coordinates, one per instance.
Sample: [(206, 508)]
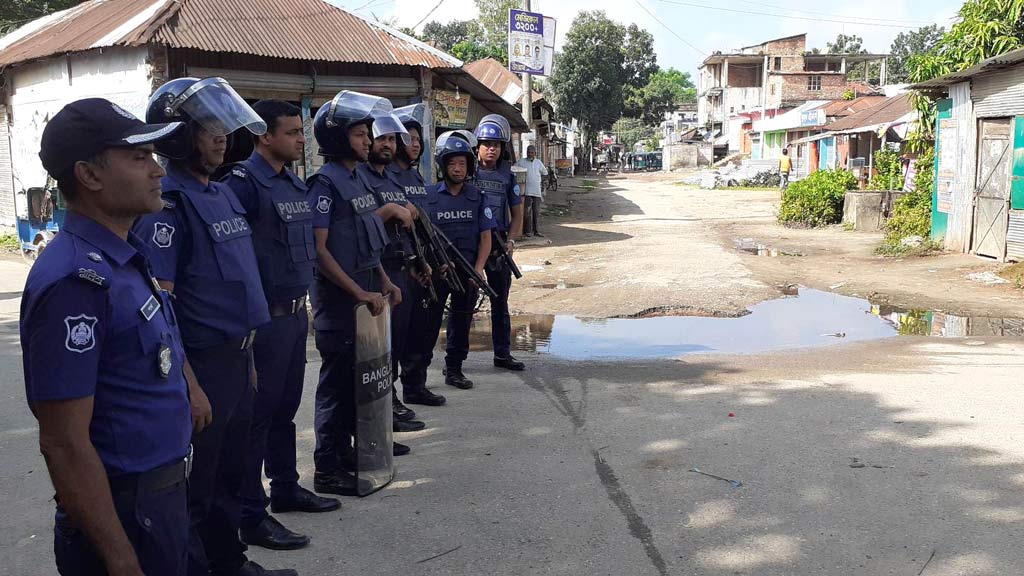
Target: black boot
[(342, 483), (408, 426), (509, 363), (272, 535), (423, 396), (251, 568), (301, 500), (453, 376), (400, 449), (401, 411)]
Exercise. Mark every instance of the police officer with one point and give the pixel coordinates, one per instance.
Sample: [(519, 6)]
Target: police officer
[(388, 130), (202, 251), (458, 209), (281, 218), (405, 171), (349, 229), (495, 179), (103, 357)]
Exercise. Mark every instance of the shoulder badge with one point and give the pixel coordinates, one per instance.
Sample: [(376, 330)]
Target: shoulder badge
[(163, 234), (323, 204), (517, 191), (488, 213), (240, 172), (90, 275), (169, 204), (81, 333), (95, 257)]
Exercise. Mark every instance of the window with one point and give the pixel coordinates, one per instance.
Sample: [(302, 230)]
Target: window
[(778, 63), (814, 83)]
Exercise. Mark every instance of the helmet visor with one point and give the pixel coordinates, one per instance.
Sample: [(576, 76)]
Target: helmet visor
[(384, 124), (502, 122), (215, 105), (353, 107), (414, 113), (463, 134)]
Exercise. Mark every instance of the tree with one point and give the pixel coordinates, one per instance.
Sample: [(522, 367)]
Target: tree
[(589, 72), (493, 20), (846, 44), (469, 51), (641, 61), (665, 91), (18, 12), (630, 131), (906, 45), (446, 36)]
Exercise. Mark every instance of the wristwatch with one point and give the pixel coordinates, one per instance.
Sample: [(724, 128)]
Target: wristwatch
[(512, 241)]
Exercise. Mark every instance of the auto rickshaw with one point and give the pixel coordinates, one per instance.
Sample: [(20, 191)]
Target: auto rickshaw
[(654, 160), (40, 220)]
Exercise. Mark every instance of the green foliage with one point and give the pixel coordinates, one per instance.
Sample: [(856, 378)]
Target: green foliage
[(18, 12), (906, 45), (849, 94), (651, 144), (630, 131), (816, 200), (846, 44), (889, 171), (493, 21), (589, 72), (10, 242), (468, 51), (640, 61), (665, 91), (912, 213), (446, 36)]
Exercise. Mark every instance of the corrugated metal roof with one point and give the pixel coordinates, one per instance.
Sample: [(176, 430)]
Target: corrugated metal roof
[(295, 29), (995, 63), (500, 80), (842, 108), (890, 111)]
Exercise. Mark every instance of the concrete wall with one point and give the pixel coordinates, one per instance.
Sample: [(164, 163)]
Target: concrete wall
[(789, 47), (794, 88), (688, 156), (40, 90), (745, 75)]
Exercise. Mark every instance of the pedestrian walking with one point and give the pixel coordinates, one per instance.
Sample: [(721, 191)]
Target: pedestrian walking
[(785, 167), (278, 211), (533, 195), (202, 252), (103, 357)]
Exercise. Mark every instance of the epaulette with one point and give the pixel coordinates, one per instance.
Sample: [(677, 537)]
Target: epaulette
[(170, 198), (90, 265)]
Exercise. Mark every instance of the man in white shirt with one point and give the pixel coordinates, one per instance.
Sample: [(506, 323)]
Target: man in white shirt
[(535, 174)]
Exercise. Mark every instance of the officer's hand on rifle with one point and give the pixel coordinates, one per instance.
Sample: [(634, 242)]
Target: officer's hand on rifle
[(375, 300), (393, 294), (510, 246)]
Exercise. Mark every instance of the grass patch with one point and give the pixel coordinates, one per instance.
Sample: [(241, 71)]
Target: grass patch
[(9, 242), (589, 185), (1015, 274), (897, 250)]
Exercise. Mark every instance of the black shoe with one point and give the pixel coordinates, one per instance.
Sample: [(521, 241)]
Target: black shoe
[(409, 426), (341, 483), (302, 500), (401, 411), (273, 535), (509, 363), (453, 376), (400, 449), (424, 397), (251, 568)]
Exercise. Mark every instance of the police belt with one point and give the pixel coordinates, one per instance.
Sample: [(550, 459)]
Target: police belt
[(287, 308), (155, 480)]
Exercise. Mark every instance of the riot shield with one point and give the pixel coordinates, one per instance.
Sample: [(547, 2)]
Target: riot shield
[(372, 375)]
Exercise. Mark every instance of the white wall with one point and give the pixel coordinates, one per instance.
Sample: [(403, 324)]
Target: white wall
[(39, 90)]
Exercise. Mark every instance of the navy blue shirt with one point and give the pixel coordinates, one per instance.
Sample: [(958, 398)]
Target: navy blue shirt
[(411, 182), (277, 208), (202, 243), (501, 192), (94, 323), (462, 218), (387, 191)]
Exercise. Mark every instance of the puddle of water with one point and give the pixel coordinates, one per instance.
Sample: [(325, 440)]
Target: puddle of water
[(751, 246), (560, 285), (808, 319)]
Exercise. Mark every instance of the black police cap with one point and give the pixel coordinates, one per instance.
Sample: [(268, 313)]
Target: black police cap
[(85, 128)]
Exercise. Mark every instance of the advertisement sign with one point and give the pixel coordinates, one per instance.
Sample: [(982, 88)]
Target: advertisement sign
[(526, 53), (812, 118), (451, 109)]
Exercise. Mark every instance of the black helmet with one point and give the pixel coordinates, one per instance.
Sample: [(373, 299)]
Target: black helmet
[(451, 144), (210, 103), (347, 109)]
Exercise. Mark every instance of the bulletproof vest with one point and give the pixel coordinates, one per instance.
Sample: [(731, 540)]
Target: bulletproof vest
[(353, 222), (221, 292), (386, 191), (495, 186), (283, 235), (457, 217), (411, 182)]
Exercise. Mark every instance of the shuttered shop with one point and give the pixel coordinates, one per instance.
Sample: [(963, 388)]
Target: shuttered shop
[(999, 93), (7, 216)]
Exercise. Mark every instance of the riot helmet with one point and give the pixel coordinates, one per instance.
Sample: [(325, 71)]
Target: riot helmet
[(461, 134), (450, 145), (384, 124), (413, 116), (494, 127), (346, 110), (210, 103)]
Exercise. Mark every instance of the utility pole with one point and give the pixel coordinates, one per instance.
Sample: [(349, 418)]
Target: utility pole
[(527, 94)]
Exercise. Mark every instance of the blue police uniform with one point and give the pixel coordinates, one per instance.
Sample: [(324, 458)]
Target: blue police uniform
[(356, 238), (94, 323), (502, 193), (202, 243), (278, 210), (462, 218)]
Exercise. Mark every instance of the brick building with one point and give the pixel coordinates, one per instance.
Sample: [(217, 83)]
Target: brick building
[(760, 81)]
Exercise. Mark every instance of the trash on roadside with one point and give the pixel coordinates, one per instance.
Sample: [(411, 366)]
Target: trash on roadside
[(837, 286), (530, 268), (735, 483), (989, 278), (835, 335)]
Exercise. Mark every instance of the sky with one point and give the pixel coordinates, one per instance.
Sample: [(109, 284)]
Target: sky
[(677, 24)]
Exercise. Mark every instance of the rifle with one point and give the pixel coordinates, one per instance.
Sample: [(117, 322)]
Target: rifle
[(463, 265), (420, 262), (436, 254), (502, 255)]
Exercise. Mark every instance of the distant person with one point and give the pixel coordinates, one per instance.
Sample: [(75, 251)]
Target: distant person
[(785, 167), (534, 194)]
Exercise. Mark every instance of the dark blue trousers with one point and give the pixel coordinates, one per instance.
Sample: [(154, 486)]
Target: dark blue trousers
[(335, 417), (425, 327), (219, 456), (500, 278), (156, 525), (401, 314), (280, 356)]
